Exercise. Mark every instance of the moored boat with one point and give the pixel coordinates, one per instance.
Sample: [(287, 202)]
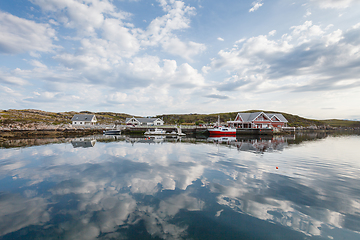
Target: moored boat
[(222, 131), (112, 132), (157, 131)]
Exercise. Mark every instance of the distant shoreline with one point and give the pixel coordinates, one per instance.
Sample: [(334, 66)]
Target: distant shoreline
[(17, 133)]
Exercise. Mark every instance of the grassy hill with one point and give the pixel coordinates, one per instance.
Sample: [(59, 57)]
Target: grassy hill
[(294, 120), (27, 116)]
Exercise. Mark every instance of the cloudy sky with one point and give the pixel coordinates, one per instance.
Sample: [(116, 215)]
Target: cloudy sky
[(148, 57)]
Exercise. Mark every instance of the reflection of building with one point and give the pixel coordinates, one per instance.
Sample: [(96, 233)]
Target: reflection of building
[(261, 145), (84, 143), (144, 121), (258, 145), (84, 119), (258, 120)]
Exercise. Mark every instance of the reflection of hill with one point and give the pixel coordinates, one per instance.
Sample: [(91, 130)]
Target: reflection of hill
[(27, 142)]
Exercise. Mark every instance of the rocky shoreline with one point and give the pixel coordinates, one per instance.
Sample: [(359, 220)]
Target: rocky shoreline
[(55, 132)]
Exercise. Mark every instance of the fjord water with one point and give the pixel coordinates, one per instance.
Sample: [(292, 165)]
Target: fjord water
[(297, 187)]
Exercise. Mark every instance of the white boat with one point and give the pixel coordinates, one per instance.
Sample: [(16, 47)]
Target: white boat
[(112, 132), (220, 130), (157, 131)]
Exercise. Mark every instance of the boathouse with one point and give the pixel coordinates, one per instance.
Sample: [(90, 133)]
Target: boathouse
[(258, 120), (83, 119), (144, 121)]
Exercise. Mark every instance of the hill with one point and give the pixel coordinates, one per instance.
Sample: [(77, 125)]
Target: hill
[(28, 116), (31, 116), (294, 120)]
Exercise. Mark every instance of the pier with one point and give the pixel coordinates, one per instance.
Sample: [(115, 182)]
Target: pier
[(195, 130)]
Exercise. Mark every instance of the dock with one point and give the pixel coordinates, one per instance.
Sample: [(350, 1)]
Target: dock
[(196, 130)]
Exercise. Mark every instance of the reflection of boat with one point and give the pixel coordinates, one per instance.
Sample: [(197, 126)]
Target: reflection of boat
[(112, 132), (147, 139), (84, 143), (224, 138), (222, 131)]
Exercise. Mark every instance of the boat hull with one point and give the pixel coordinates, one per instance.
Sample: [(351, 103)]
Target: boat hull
[(214, 132)]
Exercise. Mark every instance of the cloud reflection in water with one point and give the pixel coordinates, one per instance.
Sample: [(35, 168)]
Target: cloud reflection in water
[(118, 189)]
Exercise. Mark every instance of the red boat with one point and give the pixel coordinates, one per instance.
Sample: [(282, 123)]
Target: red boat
[(222, 131)]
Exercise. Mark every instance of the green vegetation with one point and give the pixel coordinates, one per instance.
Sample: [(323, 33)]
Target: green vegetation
[(294, 121), (26, 116), (342, 123)]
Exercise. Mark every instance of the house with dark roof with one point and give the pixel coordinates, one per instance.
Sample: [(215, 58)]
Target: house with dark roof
[(144, 121), (83, 119), (258, 120)]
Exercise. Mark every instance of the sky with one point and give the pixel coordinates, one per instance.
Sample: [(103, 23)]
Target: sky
[(152, 57)]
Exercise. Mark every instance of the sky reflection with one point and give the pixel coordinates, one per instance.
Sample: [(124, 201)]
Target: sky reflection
[(176, 190)]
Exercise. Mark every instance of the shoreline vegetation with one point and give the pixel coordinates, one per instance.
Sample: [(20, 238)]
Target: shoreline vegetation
[(31, 122)]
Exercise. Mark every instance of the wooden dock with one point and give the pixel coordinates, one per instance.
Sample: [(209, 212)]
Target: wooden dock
[(254, 131), (196, 130)]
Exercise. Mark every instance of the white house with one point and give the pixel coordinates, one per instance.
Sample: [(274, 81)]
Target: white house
[(83, 119), (144, 121)]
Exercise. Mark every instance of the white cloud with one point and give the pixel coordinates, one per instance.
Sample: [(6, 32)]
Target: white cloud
[(314, 59), (104, 27), (272, 33), (308, 13), (160, 30), (20, 35), (37, 63), (333, 3), (220, 39), (186, 50), (86, 16), (256, 6), (12, 79)]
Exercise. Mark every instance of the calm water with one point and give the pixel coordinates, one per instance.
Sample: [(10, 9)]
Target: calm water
[(296, 187)]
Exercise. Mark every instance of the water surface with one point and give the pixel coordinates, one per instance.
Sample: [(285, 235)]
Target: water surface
[(290, 187)]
